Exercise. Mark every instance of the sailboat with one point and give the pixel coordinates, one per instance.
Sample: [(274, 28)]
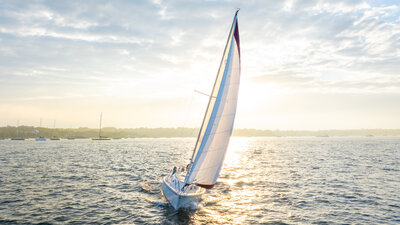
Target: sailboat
[(101, 138), (40, 138), (183, 187), (53, 137), (17, 138)]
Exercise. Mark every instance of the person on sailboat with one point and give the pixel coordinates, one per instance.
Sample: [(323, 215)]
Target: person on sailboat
[(174, 170)]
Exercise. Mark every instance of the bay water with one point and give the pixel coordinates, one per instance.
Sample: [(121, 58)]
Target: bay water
[(268, 180)]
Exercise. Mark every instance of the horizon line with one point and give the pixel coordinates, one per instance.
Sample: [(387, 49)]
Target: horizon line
[(262, 129)]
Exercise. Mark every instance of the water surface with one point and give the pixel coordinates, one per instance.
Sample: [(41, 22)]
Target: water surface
[(283, 180)]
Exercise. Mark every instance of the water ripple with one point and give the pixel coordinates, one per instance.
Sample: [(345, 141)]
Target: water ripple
[(338, 180)]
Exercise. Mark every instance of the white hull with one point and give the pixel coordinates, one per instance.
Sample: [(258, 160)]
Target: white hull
[(172, 191)]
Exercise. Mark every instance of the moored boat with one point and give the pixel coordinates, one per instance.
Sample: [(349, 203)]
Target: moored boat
[(40, 138), (101, 138)]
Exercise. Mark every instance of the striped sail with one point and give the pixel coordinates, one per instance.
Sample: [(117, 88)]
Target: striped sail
[(212, 142)]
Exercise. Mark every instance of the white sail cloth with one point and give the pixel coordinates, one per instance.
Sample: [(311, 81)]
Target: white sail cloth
[(216, 130)]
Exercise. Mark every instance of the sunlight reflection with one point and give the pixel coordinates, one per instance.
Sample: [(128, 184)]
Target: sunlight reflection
[(223, 197), (237, 146), (233, 170)]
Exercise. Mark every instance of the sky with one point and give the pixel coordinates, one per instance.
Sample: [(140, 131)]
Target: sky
[(308, 64)]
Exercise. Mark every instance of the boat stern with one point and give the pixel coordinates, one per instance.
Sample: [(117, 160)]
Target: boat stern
[(170, 194), (189, 197)]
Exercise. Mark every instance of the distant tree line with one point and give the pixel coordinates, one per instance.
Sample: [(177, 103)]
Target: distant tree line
[(84, 132), (324, 133)]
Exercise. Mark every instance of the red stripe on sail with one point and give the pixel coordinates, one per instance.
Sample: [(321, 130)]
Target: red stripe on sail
[(237, 37), (206, 186)]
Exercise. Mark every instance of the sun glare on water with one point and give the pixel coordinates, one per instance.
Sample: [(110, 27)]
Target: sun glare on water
[(237, 145), (226, 196), (234, 159)]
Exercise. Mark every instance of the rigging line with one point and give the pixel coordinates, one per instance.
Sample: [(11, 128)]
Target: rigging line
[(204, 93), (185, 113)]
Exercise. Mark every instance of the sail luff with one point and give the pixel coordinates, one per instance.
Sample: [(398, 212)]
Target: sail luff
[(214, 107), (200, 136)]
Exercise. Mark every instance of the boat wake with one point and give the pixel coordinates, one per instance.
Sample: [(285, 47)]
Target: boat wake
[(156, 201), (150, 191), (165, 204), (214, 200), (194, 206), (148, 187)]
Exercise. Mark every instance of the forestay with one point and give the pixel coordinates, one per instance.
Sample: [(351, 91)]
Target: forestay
[(216, 130)]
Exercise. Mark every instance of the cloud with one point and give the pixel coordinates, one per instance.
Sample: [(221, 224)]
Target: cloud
[(300, 82), (168, 48), (326, 46)]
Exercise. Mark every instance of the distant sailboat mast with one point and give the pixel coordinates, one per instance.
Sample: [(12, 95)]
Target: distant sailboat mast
[(17, 128), (17, 138), (54, 127), (53, 137), (100, 137), (38, 136), (101, 115)]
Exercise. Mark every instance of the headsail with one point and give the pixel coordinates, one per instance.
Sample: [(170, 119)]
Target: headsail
[(212, 142)]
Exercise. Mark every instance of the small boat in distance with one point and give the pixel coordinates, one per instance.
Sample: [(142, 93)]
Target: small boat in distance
[(183, 187), (324, 136), (101, 138), (17, 137), (53, 137), (40, 138), (70, 136)]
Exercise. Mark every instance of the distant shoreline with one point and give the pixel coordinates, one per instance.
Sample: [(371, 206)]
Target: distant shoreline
[(84, 132)]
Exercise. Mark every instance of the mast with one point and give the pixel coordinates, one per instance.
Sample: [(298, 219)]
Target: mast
[(17, 128), (54, 128), (212, 97), (101, 114), (40, 125)]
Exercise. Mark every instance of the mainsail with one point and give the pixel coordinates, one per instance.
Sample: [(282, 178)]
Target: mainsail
[(212, 142)]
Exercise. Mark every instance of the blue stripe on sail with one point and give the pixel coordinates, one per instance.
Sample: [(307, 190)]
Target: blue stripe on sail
[(230, 130), (216, 105)]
